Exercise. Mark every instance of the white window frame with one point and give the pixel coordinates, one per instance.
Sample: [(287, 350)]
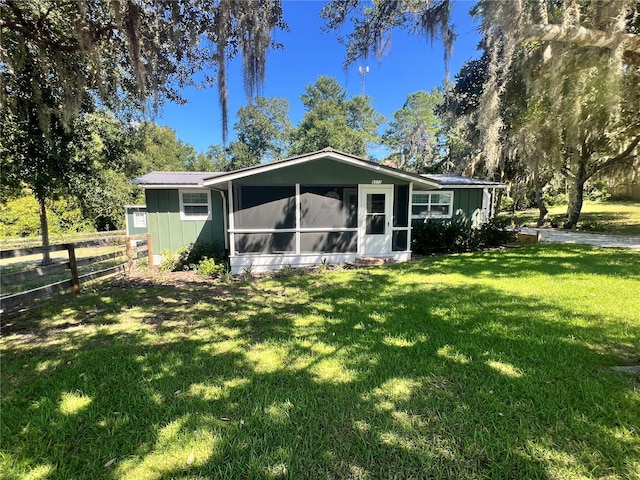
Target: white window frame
[(139, 219), (185, 217), (430, 193)]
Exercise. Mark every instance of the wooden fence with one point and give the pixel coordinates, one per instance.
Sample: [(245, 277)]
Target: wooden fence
[(132, 249)]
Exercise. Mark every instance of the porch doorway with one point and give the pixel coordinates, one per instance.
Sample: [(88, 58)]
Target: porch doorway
[(374, 224)]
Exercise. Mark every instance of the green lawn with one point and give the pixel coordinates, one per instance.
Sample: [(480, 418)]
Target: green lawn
[(608, 217), (484, 365)]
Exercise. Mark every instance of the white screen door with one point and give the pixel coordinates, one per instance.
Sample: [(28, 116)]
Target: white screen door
[(375, 219)]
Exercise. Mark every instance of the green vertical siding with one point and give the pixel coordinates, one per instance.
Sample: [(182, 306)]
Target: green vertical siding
[(169, 232), (131, 230), (468, 200)]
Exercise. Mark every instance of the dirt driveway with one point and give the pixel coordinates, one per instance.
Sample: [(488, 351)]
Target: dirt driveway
[(550, 235)]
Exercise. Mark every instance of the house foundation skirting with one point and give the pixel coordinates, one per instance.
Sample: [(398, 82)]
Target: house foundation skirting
[(264, 263)]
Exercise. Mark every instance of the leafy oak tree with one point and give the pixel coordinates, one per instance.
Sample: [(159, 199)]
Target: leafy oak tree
[(62, 59), (578, 62)]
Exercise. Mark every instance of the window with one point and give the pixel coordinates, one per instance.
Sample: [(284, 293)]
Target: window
[(139, 220), (195, 205), (431, 204)]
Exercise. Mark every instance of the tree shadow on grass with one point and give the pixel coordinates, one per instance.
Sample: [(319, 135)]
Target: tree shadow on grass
[(536, 259), (349, 375)]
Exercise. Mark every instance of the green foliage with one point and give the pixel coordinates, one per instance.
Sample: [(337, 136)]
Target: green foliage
[(108, 147), (561, 103), (190, 256), (62, 61), (412, 136), (20, 217), (209, 268), (596, 192), (592, 226), (173, 260), (333, 121), (264, 127), (161, 150), (506, 204), (458, 235), (201, 250)]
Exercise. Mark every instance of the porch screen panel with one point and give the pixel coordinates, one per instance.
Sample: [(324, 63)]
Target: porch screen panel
[(265, 243), (264, 207), (399, 241), (328, 207), (401, 206), (328, 242)]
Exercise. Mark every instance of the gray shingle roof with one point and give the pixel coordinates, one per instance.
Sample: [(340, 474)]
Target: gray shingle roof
[(175, 178), (447, 179)]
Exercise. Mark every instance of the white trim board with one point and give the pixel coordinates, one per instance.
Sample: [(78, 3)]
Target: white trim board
[(265, 263)]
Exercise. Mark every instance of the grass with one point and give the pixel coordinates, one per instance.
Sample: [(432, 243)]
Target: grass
[(611, 217), (484, 365)]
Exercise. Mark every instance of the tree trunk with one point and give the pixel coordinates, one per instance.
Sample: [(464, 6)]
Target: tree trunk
[(576, 199), (543, 210), (539, 196), (44, 230)]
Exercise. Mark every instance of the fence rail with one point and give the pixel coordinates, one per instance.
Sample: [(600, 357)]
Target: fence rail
[(134, 246), (9, 243)]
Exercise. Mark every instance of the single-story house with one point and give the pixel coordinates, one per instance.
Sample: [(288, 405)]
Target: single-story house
[(323, 206)]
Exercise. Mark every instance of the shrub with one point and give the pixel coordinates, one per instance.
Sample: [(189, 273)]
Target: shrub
[(173, 261), (556, 199), (189, 257), (506, 204), (593, 226), (440, 236), (557, 221), (200, 250), (596, 192), (495, 233), (458, 235), (209, 268)]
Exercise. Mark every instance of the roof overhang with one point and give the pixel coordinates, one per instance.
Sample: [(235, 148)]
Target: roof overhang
[(449, 186), (461, 182), (322, 154), (171, 186)]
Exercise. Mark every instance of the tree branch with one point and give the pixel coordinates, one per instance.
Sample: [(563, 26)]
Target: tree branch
[(617, 159), (581, 36)]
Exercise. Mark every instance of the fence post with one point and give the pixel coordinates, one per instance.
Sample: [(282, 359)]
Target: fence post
[(129, 250), (73, 266), (149, 250)]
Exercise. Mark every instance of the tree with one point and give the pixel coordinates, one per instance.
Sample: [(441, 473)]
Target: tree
[(162, 150), (107, 147), (61, 59), (333, 121), (264, 127), (579, 67), (412, 136), (581, 70)]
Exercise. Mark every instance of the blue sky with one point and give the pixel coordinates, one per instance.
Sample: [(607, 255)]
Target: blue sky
[(411, 64)]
